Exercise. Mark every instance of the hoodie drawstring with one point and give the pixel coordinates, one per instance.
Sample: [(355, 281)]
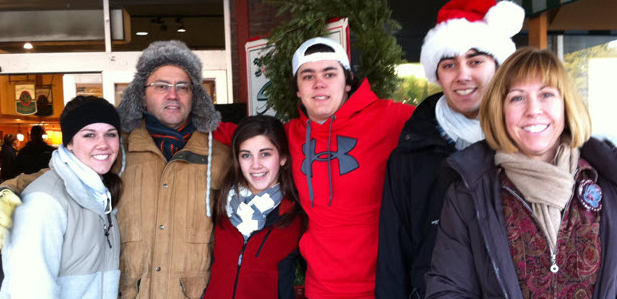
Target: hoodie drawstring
[(309, 158), (330, 159)]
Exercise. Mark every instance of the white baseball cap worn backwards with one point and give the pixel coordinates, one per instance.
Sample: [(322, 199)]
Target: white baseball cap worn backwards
[(339, 53)]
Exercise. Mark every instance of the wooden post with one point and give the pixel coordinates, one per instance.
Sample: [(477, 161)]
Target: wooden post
[(538, 26), (242, 34)]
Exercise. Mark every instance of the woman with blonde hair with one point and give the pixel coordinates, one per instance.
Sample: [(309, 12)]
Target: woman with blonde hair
[(530, 214)]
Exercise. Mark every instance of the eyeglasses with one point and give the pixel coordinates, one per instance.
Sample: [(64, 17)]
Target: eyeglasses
[(162, 87)]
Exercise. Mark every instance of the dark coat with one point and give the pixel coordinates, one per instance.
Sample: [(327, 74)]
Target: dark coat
[(411, 205), (8, 155), (34, 156), (472, 257)]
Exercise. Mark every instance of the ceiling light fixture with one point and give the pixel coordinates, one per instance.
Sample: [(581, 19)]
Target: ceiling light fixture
[(181, 29), (142, 33), (20, 136), (28, 46)]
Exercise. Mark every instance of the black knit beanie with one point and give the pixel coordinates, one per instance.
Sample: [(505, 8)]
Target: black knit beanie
[(90, 110)]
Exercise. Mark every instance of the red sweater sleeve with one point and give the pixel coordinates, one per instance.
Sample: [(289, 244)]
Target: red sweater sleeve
[(224, 132)]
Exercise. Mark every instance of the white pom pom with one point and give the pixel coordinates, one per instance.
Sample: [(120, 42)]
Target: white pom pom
[(506, 17)]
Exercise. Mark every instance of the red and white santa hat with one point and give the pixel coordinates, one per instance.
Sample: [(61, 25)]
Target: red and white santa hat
[(484, 25)]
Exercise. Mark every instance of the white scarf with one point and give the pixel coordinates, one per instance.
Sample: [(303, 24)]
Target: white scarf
[(80, 172), (462, 130), (248, 212)]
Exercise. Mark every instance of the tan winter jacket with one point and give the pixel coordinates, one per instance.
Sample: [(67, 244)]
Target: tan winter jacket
[(162, 217)]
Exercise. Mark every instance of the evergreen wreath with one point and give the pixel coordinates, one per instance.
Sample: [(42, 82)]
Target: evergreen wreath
[(372, 26)]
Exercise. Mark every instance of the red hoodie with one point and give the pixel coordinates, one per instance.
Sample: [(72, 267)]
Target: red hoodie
[(342, 195)]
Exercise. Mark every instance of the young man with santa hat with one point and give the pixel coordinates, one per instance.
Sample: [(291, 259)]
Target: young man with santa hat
[(461, 54)]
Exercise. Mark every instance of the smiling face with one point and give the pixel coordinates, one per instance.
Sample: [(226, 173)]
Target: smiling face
[(322, 88), (260, 161), (535, 118), (96, 145), (171, 108), (463, 79)]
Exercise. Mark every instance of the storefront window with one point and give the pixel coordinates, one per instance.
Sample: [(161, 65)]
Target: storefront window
[(51, 26), (592, 64), (57, 26), (199, 24)]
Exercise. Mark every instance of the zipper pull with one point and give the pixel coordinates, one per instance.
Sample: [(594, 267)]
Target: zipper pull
[(106, 231), (242, 252), (554, 267), (107, 228)]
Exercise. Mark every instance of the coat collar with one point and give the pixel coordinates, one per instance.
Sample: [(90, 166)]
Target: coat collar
[(421, 130), (140, 140)]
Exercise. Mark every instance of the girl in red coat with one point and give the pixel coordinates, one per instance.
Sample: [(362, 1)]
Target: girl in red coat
[(258, 217)]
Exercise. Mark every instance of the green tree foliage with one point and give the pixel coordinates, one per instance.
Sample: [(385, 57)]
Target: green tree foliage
[(371, 22), (413, 90)]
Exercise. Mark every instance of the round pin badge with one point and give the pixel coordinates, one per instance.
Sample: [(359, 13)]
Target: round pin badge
[(590, 195)]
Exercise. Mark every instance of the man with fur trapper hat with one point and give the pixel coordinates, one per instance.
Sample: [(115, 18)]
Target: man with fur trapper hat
[(172, 163), (461, 54), (173, 157)]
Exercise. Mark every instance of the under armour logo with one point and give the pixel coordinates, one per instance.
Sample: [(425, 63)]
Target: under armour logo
[(346, 162)]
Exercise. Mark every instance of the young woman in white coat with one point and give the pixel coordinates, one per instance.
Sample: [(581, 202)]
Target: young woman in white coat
[(65, 241)]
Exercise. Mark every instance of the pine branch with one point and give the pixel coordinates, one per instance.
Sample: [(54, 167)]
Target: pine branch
[(371, 22)]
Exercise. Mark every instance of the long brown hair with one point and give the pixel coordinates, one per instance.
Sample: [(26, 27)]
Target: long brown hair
[(271, 128)]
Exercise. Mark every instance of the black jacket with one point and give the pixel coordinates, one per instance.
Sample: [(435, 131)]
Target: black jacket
[(411, 205), (472, 255), (34, 156), (8, 155)]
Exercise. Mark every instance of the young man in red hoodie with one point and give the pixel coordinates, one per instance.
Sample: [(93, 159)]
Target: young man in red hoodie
[(339, 147)]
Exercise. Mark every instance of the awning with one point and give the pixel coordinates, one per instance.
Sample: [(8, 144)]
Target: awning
[(536, 7), (583, 15)]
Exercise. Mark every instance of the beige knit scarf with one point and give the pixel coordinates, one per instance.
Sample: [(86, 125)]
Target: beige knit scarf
[(547, 186)]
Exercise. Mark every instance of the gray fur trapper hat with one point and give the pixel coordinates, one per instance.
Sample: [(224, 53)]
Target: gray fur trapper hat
[(161, 53)]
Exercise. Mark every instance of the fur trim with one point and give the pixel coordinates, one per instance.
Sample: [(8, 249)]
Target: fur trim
[(133, 106), (483, 25), (506, 17), (456, 37)]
